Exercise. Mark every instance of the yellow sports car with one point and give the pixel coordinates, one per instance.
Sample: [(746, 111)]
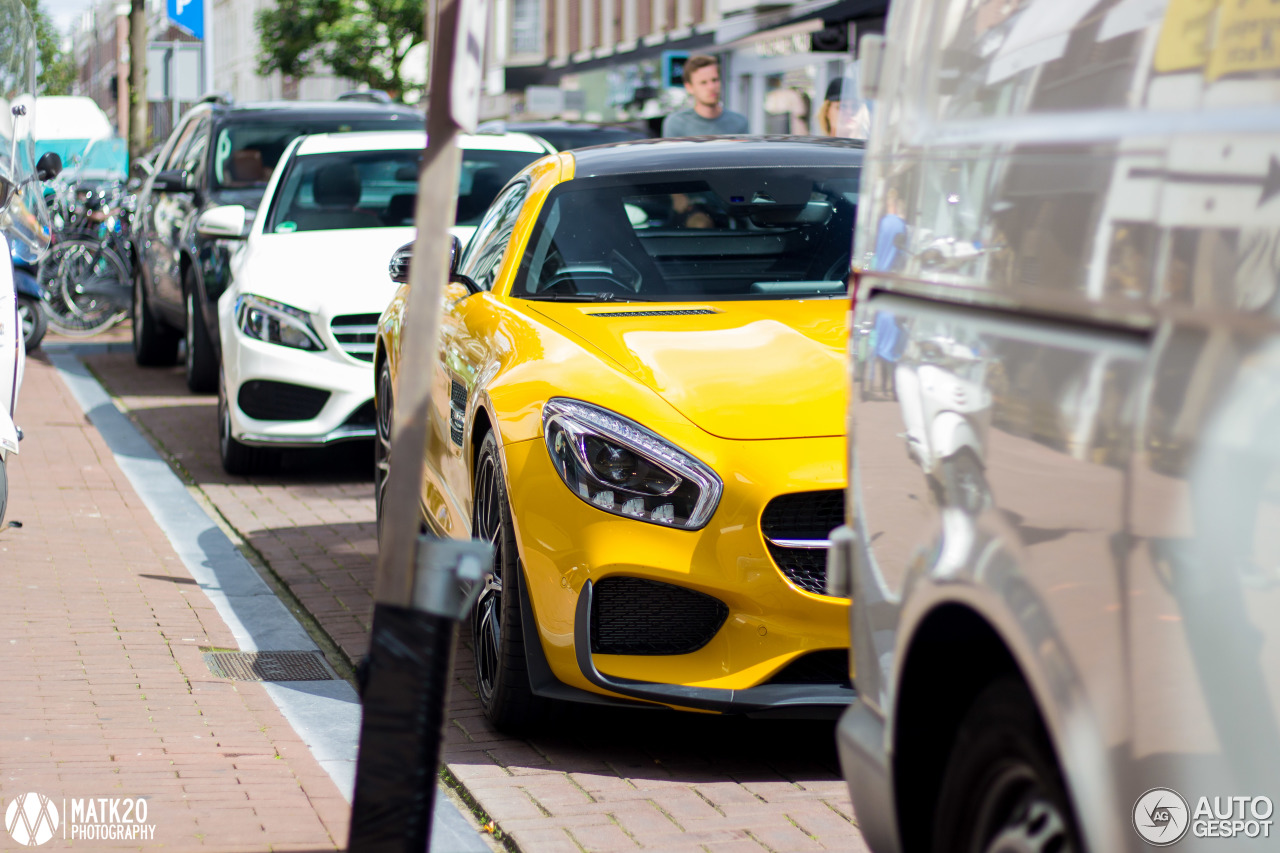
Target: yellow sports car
[(639, 399)]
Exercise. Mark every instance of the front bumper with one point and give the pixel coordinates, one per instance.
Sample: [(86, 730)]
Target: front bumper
[(568, 547), (347, 411)]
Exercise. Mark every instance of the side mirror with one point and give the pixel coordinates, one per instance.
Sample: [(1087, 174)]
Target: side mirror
[(48, 166), (172, 181), (227, 220), (398, 268)]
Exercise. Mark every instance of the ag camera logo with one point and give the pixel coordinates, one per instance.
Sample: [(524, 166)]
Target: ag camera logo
[(31, 819), (1160, 816)]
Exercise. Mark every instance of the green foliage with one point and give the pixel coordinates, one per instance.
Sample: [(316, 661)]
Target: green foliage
[(55, 71), (363, 40)]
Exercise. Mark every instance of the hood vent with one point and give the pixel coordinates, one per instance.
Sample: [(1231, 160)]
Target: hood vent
[(671, 312)]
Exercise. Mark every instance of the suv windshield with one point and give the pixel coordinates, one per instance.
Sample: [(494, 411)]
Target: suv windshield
[(378, 189), (246, 153), (739, 234)]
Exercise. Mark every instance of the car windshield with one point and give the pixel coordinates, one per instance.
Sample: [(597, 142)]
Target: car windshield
[(739, 234), (379, 189), (246, 153)]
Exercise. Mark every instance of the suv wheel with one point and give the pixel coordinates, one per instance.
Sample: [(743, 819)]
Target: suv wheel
[(202, 370), (154, 344), (1002, 791)]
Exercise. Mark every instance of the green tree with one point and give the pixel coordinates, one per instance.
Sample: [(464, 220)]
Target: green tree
[(363, 40), (56, 70)]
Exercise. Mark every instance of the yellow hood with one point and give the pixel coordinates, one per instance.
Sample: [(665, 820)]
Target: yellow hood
[(748, 370)]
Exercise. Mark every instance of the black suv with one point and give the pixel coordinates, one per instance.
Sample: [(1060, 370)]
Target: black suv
[(219, 154)]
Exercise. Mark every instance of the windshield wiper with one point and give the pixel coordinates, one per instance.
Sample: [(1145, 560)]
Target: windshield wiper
[(585, 297)]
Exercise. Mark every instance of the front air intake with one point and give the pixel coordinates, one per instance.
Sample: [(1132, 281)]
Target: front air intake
[(266, 400), (634, 616), (796, 528)]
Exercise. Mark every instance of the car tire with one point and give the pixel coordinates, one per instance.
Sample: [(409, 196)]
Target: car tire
[(154, 343), (1002, 789), (33, 321), (383, 410), (237, 458), (497, 634), (202, 368)]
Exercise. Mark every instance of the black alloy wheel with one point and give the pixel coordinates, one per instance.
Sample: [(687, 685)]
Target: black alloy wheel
[(31, 318), (497, 638), (201, 368), (1002, 791), (382, 442), (154, 344)]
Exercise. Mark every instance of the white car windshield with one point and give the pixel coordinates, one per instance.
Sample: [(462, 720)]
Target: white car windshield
[(378, 189)]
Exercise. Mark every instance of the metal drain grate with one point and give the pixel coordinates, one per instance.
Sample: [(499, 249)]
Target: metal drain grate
[(268, 666)]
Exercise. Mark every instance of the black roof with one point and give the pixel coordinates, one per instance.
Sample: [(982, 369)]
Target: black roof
[(312, 109), (710, 152)]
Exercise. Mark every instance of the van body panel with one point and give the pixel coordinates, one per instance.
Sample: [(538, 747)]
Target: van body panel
[(1065, 408)]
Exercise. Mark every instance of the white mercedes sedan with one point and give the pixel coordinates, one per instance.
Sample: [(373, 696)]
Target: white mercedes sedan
[(298, 322)]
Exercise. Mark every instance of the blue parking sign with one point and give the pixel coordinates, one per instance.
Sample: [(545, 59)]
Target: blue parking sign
[(188, 14)]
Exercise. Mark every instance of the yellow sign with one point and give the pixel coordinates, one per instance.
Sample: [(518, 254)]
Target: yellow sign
[(1184, 37), (1247, 38)]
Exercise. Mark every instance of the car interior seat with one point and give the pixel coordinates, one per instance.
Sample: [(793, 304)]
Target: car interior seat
[(400, 209), (246, 168), (336, 188)]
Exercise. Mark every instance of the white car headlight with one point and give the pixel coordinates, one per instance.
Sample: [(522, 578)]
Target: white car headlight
[(618, 466), (276, 323)]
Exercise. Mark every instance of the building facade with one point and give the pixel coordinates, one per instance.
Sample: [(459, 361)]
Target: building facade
[(620, 60)]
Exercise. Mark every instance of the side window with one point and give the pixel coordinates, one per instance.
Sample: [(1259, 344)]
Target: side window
[(193, 158), (174, 158), (489, 243)]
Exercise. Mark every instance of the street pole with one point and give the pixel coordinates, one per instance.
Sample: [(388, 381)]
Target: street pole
[(417, 602), (139, 129)]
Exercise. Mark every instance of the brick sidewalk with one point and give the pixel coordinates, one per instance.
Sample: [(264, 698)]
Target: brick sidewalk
[(602, 780), (107, 692)]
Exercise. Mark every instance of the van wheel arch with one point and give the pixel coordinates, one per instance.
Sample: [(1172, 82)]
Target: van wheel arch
[(954, 655)]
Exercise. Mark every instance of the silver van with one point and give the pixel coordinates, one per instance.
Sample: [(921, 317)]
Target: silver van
[(1063, 519)]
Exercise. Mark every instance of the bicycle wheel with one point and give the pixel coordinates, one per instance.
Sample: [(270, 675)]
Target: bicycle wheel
[(88, 287)]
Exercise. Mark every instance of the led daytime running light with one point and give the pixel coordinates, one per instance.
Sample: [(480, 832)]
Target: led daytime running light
[(674, 477)]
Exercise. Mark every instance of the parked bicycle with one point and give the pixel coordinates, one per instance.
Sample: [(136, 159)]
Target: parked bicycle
[(86, 275)]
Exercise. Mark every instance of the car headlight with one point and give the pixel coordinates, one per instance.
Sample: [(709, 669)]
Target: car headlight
[(276, 323), (618, 466)]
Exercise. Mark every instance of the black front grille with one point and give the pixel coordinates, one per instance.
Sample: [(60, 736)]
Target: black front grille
[(357, 334), (830, 666), (280, 401), (634, 616), (803, 515), (457, 411)]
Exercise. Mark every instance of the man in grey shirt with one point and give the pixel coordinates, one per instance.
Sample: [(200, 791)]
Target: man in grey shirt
[(707, 117)]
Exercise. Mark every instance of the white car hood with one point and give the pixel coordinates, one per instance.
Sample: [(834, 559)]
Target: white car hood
[(326, 273)]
